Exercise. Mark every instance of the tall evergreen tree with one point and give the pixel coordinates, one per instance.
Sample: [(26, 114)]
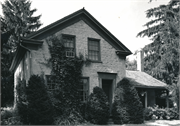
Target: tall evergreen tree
[(19, 16), (162, 59), (162, 55), (17, 20)]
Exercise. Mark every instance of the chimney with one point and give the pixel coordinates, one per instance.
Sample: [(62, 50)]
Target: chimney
[(140, 61)]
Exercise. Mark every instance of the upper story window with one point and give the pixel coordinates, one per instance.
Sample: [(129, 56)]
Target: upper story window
[(94, 49), (69, 44)]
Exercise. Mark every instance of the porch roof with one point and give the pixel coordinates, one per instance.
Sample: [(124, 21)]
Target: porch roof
[(21, 50), (144, 80)]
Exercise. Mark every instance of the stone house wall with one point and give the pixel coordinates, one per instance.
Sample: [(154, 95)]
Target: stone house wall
[(111, 63)]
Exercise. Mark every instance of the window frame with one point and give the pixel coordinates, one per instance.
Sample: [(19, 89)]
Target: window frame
[(71, 36), (46, 80), (99, 49), (85, 99)]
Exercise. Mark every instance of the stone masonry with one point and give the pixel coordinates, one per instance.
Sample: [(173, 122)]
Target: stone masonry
[(111, 62)]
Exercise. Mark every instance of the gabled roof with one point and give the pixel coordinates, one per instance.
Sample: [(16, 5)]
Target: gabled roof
[(81, 14), (144, 80)]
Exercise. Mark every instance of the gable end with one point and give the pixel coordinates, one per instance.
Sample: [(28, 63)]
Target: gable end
[(88, 19)]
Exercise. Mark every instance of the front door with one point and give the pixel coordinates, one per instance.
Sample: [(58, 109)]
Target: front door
[(107, 85)]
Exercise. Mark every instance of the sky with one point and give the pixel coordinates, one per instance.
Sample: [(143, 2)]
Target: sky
[(123, 18)]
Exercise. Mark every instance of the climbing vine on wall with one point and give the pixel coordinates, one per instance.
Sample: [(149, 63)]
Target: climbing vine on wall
[(66, 73)]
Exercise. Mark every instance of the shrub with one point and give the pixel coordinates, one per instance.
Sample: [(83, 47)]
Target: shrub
[(97, 110), (148, 113), (12, 121), (120, 115), (9, 116), (155, 113), (6, 113), (69, 118), (40, 110), (173, 113), (65, 115), (21, 101), (83, 106), (7, 85), (127, 109)]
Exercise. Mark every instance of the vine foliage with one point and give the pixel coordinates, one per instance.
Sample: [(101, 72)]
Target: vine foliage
[(66, 73)]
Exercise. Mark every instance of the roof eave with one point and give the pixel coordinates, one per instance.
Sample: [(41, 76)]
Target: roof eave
[(107, 31), (17, 58), (125, 53), (46, 28), (156, 87), (31, 41)]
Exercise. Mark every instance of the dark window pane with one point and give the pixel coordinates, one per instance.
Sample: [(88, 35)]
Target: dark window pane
[(68, 41), (84, 89), (93, 48), (93, 55), (51, 84)]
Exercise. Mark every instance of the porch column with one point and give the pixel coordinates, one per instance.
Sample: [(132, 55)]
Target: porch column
[(100, 82), (167, 98), (113, 89), (146, 99)]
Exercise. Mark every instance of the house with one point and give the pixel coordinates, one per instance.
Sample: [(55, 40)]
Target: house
[(82, 33), (151, 91)]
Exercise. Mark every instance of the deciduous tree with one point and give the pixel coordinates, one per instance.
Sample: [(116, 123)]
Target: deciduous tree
[(131, 65)]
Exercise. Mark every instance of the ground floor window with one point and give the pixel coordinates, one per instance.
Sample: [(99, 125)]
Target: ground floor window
[(84, 88), (51, 84)]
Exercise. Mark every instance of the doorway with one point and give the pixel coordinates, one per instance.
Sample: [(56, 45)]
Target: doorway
[(107, 86)]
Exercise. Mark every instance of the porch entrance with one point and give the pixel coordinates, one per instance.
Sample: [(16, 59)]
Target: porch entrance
[(107, 86)]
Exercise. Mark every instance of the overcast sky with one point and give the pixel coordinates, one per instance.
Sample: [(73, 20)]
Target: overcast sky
[(123, 18)]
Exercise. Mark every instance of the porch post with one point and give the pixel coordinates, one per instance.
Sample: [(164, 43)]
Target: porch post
[(100, 82), (146, 99), (167, 98)]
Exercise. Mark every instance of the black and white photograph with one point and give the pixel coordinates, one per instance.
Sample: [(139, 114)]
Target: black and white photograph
[(90, 62)]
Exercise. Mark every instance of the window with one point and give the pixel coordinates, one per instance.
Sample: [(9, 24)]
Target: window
[(69, 44), (94, 49), (51, 84), (84, 89)]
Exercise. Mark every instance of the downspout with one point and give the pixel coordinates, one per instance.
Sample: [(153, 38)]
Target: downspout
[(30, 56)]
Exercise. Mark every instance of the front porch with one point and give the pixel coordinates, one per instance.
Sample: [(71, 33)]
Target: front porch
[(153, 96), (150, 90)]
